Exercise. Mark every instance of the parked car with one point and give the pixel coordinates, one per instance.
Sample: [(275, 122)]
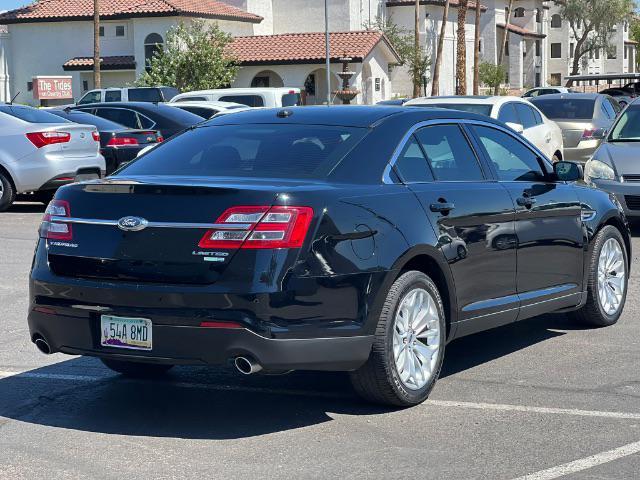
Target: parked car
[(129, 94), (118, 144), (623, 97), (144, 116), (252, 97), (614, 167), (633, 88), (355, 239), (539, 91), (394, 102), (208, 109), (584, 119), (517, 113), (40, 152)]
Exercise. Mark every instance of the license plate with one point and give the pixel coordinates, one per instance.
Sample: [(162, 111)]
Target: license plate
[(124, 332)]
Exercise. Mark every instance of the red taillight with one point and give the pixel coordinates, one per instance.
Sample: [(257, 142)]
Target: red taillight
[(96, 136), (51, 229), (160, 139), (122, 141), (260, 227), (42, 139)]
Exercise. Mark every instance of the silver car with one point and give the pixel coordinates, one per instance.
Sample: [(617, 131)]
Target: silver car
[(40, 151), (584, 119), (615, 166)]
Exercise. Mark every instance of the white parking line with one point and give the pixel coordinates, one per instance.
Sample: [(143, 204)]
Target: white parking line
[(584, 463)]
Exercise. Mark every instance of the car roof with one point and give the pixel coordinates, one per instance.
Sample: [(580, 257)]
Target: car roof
[(247, 90), (138, 105), (465, 100), (207, 104), (343, 115), (573, 96)]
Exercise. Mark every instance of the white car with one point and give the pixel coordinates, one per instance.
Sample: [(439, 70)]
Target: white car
[(129, 94), (252, 97), (207, 109), (518, 114), (40, 152), (539, 91)]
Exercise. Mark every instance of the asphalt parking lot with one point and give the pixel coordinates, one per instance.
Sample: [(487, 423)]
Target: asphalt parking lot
[(540, 399)]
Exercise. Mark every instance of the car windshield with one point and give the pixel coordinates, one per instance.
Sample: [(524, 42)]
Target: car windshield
[(627, 128), (566, 108), (31, 115), (87, 119), (481, 109), (267, 151)]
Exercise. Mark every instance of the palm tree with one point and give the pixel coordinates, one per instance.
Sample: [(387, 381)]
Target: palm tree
[(476, 51), (435, 85), (505, 39), (461, 50), (416, 48), (96, 44)]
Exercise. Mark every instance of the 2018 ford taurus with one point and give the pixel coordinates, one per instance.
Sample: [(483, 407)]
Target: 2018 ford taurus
[(361, 239)]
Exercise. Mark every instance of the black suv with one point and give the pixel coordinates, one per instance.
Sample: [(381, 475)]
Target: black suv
[(347, 238)]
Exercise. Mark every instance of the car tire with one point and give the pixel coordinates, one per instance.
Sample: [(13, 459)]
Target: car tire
[(595, 311), (136, 369), (380, 379), (7, 192)]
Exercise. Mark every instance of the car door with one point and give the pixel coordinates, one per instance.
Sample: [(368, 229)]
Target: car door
[(473, 218), (535, 131), (548, 223)]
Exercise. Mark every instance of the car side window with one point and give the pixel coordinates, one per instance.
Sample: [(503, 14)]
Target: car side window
[(536, 114), (90, 97), (125, 117), (411, 164), (615, 105), (145, 122), (112, 96), (607, 109), (449, 154), (512, 159), (508, 114), (248, 100), (527, 118)]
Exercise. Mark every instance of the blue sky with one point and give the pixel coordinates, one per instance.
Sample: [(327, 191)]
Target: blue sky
[(11, 4)]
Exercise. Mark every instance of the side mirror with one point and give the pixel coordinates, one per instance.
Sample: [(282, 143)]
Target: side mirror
[(568, 171), (515, 126)]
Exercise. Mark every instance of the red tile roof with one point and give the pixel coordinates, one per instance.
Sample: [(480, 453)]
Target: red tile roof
[(453, 4), (60, 10), (522, 31), (306, 47), (124, 62)]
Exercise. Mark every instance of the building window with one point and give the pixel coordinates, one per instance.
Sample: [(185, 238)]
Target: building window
[(556, 79), (120, 31), (152, 44), (556, 50), (612, 53), (538, 48), (518, 12), (538, 15), (572, 49), (260, 82), (377, 84), (102, 31), (29, 86), (597, 54), (85, 85), (556, 21)]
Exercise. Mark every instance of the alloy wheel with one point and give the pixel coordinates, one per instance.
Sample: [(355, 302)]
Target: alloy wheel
[(416, 338), (611, 276)]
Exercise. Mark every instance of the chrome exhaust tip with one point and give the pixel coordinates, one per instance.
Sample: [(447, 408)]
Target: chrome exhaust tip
[(247, 366), (43, 346)]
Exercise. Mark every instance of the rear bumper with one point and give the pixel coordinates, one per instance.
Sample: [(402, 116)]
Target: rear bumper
[(581, 153)]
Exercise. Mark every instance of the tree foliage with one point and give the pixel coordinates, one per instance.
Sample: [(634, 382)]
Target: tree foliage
[(593, 23), (195, 56), (492, 75), (417, 61), (634, 34)]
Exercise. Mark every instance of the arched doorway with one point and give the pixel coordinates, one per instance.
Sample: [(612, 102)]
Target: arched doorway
[(152, 43), (267, 78), (316, 87)]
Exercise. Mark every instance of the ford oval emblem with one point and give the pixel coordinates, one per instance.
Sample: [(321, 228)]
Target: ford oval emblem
[(132, 224)]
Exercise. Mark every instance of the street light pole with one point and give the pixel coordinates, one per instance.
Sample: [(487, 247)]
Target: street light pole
[(327, 51)]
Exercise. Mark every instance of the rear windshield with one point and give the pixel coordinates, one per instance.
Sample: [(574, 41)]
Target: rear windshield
[(31, 115), (267, 151), (627, 128), (566, 108), (77, 116), (144, 95), (291, 100), (464, 107), (248, 100)]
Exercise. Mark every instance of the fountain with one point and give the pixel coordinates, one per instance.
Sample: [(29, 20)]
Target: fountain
[(346, 93)]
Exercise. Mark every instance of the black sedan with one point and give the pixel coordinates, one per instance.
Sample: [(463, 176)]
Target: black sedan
[(144, 116), (360, 239), (118, 144)]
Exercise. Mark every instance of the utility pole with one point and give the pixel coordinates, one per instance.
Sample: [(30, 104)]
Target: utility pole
[(96, 44), (416, 47), (476, 54), (327, 50)]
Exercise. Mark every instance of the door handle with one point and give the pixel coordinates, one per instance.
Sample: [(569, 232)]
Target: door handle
[(441, 207), (525, 201)]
